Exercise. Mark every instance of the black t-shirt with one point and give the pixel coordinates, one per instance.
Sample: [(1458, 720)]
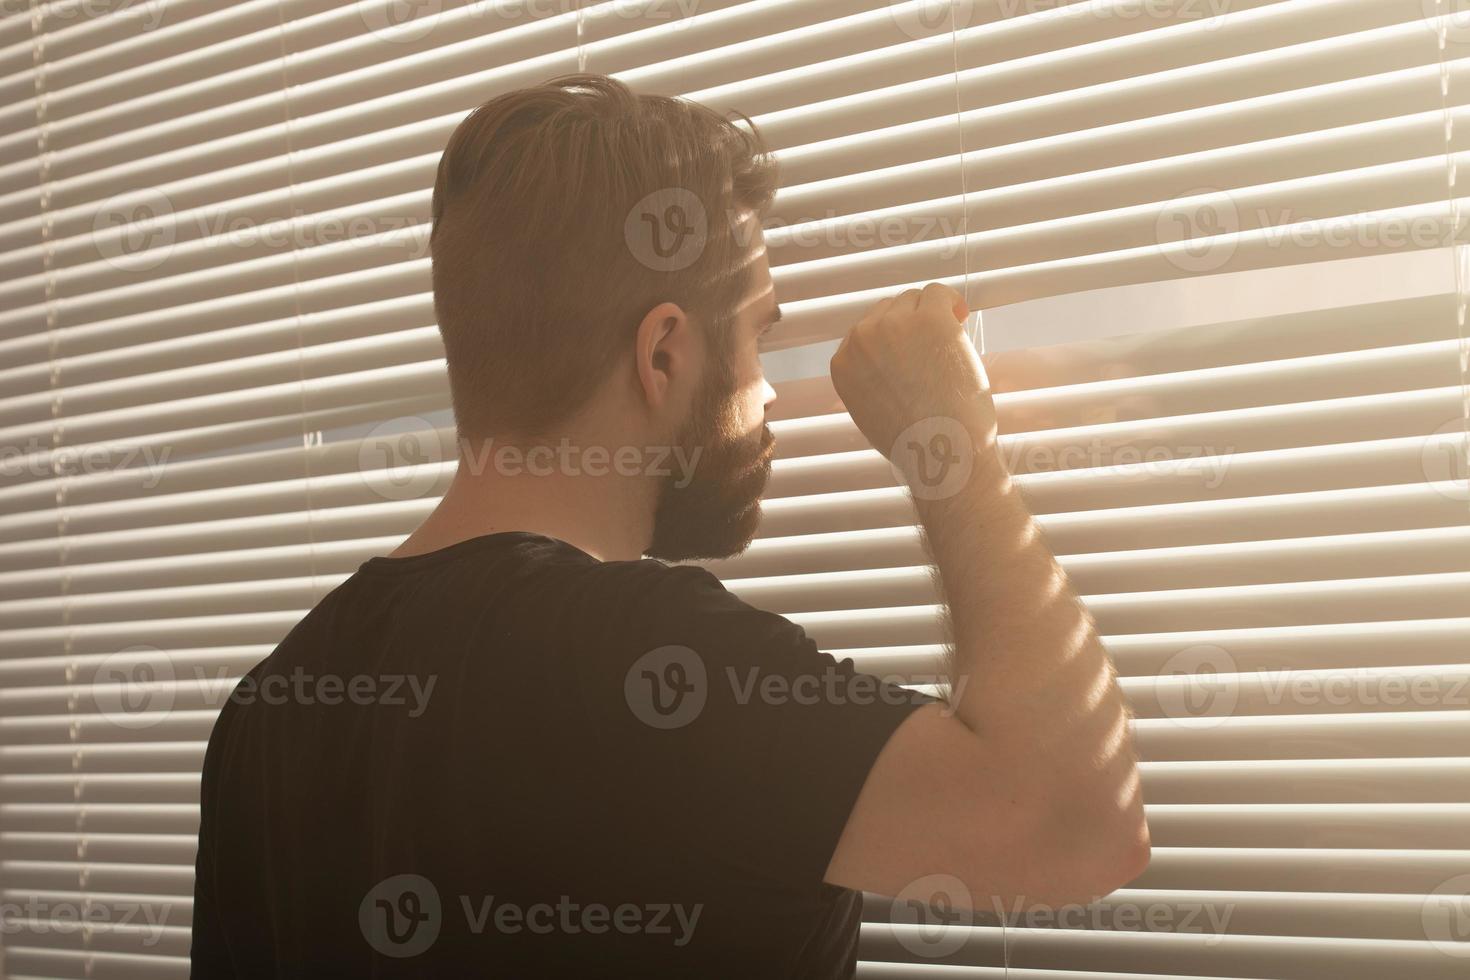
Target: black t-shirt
[(507, 758)]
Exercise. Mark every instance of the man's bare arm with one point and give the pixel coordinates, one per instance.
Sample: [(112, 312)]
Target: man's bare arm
[(1029, 792)]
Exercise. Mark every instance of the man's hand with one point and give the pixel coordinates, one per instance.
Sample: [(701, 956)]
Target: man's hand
[(908, 360)]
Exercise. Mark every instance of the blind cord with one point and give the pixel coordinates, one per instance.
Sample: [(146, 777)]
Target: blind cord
[(310, 438), (1459, 252), (57, 461), (581, 35), (974, 327)]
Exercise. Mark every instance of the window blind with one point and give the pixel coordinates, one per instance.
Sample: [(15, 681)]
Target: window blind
[(1217, 246)]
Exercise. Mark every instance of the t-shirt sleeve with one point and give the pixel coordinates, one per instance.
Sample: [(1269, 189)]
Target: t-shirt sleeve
[(209, 957), (768, 738)]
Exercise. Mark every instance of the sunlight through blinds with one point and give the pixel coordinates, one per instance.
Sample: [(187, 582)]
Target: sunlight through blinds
[(1214, 240)]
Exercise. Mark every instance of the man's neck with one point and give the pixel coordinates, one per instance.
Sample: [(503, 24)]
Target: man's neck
[(610, 517)]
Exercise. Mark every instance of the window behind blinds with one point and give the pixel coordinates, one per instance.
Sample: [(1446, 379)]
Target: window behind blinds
[(221, 389)]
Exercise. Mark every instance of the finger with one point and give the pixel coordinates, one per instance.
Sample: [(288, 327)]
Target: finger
[(876, 311), (905, 302), (939, 297)]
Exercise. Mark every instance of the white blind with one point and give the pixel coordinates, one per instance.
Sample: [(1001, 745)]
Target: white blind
[(221, 389)]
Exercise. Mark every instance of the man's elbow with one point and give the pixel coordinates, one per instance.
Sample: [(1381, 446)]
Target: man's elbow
[(1114, 858), (1082, 864), (1127, 859)]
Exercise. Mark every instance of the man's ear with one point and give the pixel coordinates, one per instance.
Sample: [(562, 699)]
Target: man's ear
[(664, 355)]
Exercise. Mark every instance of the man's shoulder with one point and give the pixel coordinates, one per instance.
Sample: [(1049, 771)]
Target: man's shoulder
[(686, 613)]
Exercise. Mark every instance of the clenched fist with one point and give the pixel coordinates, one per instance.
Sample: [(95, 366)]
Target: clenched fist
[(912, 381)]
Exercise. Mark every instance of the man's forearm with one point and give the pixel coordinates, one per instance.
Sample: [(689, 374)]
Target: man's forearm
[(1037, 683)]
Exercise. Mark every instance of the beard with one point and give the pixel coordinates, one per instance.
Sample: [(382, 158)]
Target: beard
[(713, 510)]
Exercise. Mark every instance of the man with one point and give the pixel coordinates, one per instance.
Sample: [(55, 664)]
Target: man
[(613, 766)]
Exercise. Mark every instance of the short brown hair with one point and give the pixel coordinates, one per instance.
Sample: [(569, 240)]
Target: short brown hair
[(538, 288)]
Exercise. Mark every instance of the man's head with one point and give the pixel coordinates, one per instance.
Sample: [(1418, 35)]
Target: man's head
[(593, 247)]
